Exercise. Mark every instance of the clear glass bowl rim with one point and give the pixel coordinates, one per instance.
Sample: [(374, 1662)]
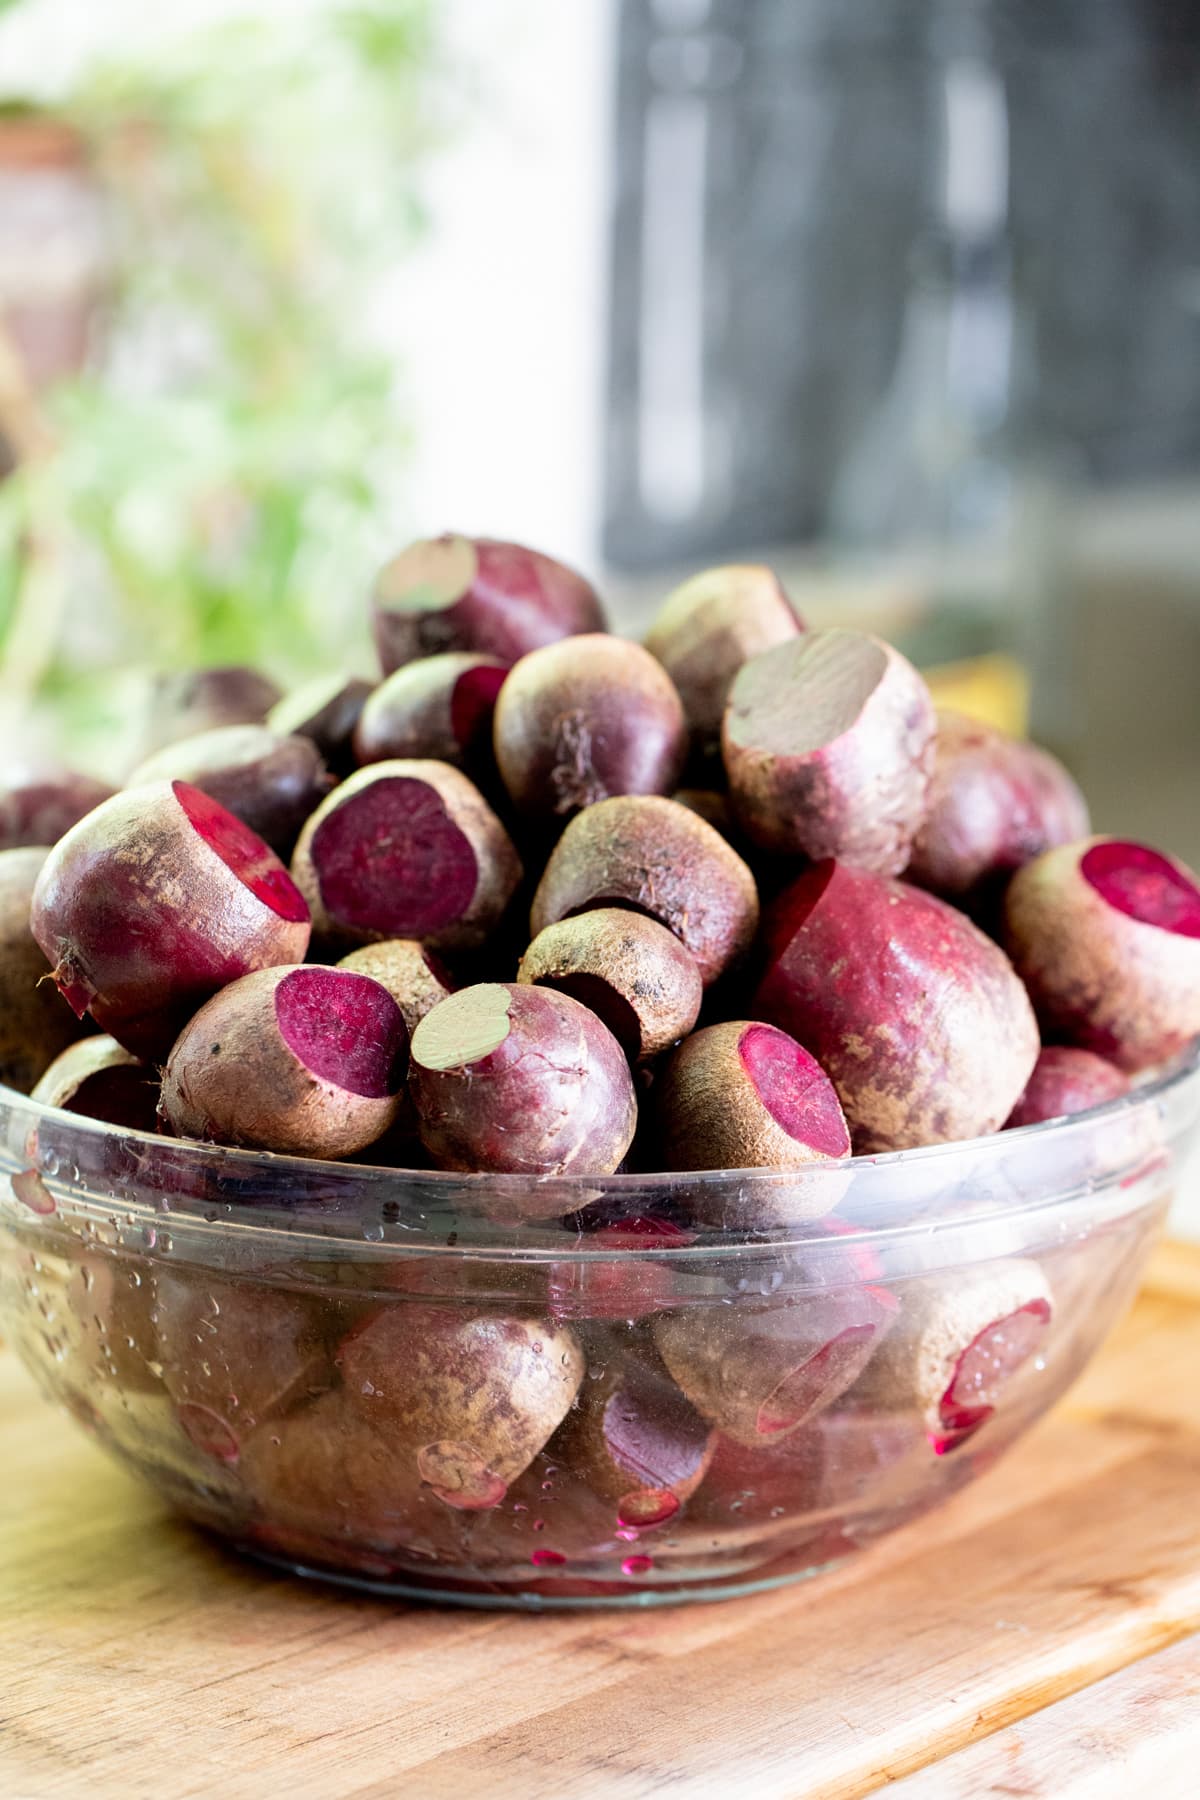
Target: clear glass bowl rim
[(489, 1215)]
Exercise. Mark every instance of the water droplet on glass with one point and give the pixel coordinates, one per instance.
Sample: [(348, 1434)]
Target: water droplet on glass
[(544, 1559), (637, 1565)]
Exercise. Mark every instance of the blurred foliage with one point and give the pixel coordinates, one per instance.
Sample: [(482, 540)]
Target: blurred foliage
[(220, 477)]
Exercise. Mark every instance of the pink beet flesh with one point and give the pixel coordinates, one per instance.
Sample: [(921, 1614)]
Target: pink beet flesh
[(473, 702), (244, 854), (794, 1089), (1144, 886), (345, 1028), (803, 1391), (391, 859), (989, 1360)]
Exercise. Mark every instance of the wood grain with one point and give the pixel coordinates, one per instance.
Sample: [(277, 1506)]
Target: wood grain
[(138, 1659)]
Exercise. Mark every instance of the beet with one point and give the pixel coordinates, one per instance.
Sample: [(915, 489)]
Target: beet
[(457, 593), (759, 1375), (1067, 1081), (181, 704), (994, 804), (630, 971), (406, 849), (655, 857), (326, 710), (412, 975), (438, 706), (1106, 935), (828, 745), (99, 1080), (270, 783), (235, 1355), (306, 1061), (465, 1403), (35, 1023), (584, 720), (521, 1080), (960, 1341), (708, 627), (635, 1442), (917, 1017), (39, 805), (747, 1096), (154, 901)]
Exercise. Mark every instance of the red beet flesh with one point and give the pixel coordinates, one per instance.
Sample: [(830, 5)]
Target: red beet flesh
[(794, 1089), (406, 849), (521, 1080), (918, 1018), (343, 1027), (1067, 1081), (988, 1361), (1106, 935), (305, 1061), (455, 593), (439, 706), (153, 902)]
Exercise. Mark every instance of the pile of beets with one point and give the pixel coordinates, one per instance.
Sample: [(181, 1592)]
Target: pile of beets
[(546, 901)]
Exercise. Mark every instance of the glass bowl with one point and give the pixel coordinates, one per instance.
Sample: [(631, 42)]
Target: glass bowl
[(571, 1392)]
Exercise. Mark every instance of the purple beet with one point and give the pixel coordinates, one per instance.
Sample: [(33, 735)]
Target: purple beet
[(271, 783)]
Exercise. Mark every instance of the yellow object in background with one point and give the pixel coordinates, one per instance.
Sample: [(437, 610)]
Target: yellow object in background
[(992, 688)]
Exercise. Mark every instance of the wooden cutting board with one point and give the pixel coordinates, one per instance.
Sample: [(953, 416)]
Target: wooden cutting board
[(1032, 1639)]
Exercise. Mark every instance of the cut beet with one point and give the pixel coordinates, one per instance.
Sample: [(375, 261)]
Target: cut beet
[(521, 1080), (635, 1442), (655, 857), (1067, 1081), (99, 1080), (916, 1016), (746, 1096), (759, 1375), (828, 745), (438, 707), (243, 852), (583, 720), (1107, 937), (343, 1028), (457, 593), (961, 1343), (707, 628), (988, 1361), (154, 901), (406, 849), (306, 1061), (629, 970)]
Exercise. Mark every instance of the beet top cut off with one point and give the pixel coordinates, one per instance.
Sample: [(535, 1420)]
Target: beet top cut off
[(631, 971), (307, 1061), (1106, 935), (438, 706), (828, 744), (521, 1080), (155, 901), (459, 593), (406, 849)]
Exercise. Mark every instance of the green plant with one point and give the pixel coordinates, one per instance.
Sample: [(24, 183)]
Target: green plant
[(213, 488)]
